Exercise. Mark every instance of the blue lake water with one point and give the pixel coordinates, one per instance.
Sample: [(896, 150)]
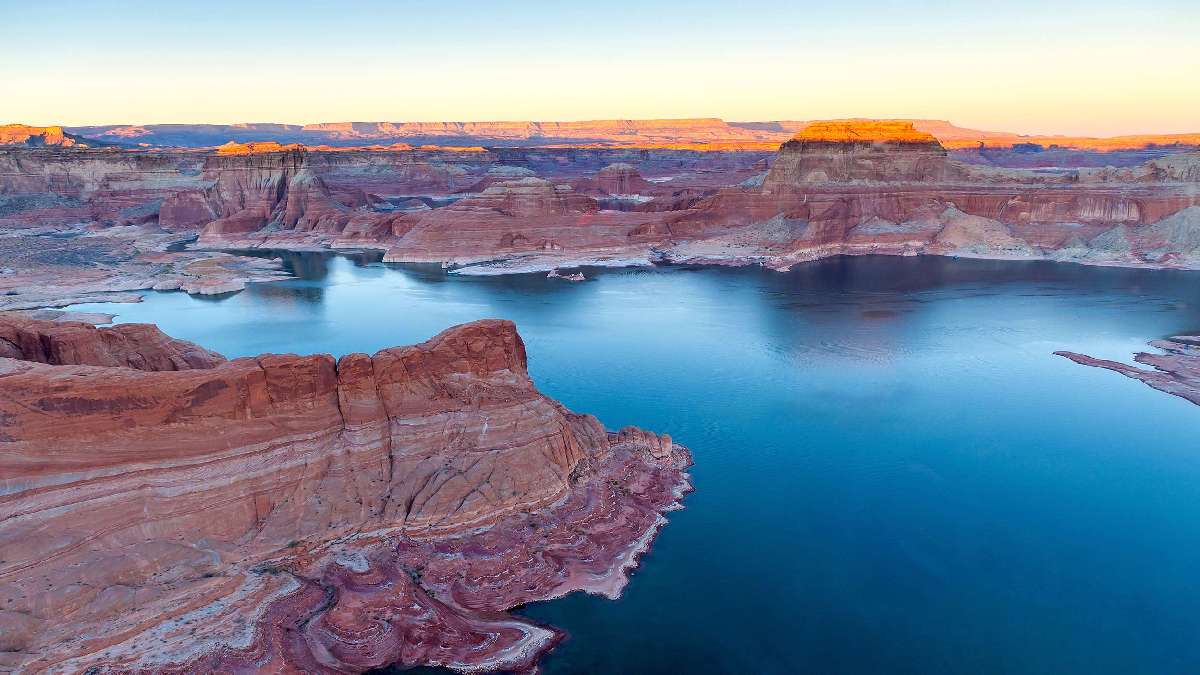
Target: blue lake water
[(894, 474)]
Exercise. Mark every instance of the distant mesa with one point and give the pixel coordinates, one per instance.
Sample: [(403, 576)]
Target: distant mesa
[(621, 179), (705, 134), (21, 134), (858, 150), (864, 131), (255, 148)]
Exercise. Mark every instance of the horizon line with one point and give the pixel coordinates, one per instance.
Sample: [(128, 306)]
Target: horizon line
[(606, 119)]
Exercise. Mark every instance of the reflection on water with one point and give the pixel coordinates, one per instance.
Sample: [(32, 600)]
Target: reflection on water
[(894, 473)]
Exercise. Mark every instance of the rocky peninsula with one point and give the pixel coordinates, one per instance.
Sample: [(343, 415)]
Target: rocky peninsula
[(163, 509), (1176, 370)]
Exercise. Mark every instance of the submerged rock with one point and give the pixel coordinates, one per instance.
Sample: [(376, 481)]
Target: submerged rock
[(1176, 371)]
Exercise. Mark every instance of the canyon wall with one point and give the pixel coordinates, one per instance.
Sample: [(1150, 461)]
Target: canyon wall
[(98, 222), (163, 509)]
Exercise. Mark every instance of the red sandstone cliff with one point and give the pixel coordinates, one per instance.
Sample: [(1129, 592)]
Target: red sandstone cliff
[(164, 510)]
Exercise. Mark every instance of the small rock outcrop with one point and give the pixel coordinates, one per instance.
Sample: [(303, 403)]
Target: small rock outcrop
[(622, 179)]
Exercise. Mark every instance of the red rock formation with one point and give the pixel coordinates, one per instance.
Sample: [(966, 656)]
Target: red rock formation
[(301, 513), (249, 189), (1176, 371)]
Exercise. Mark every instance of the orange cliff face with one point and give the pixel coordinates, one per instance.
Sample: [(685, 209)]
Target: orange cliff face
[(255, 148), (868, 131), (395, 505), (20, 134)]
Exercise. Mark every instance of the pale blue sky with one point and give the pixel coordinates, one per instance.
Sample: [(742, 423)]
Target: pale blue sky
[(1102, 67)]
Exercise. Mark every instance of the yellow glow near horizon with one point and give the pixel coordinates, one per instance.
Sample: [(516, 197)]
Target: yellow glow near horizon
[(1116, 70)]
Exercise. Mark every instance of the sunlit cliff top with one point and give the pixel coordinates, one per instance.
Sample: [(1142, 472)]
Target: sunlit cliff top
[(22, 134), (254, 148), (872, 131)]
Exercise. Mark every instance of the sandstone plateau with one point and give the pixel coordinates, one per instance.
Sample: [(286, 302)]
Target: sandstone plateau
[(163, 509), (101, 223)]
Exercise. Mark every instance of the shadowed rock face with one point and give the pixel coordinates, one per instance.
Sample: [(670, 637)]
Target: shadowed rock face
[(164, 510)]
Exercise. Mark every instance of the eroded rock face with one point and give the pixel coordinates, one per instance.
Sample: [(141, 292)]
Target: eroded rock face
[(286, 513)]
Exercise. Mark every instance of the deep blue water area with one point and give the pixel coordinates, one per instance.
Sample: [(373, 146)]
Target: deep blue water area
[(894, 473)]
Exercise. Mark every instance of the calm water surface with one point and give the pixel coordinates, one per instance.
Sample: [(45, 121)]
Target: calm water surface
[(894, 474)]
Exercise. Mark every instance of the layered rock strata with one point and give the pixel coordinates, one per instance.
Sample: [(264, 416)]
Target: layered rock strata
[(165, 510)]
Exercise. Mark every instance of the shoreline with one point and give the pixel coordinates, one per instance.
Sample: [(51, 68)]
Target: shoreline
[(516, 265)]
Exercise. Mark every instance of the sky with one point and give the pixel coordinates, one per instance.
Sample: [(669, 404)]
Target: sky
[(1097, 68)]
